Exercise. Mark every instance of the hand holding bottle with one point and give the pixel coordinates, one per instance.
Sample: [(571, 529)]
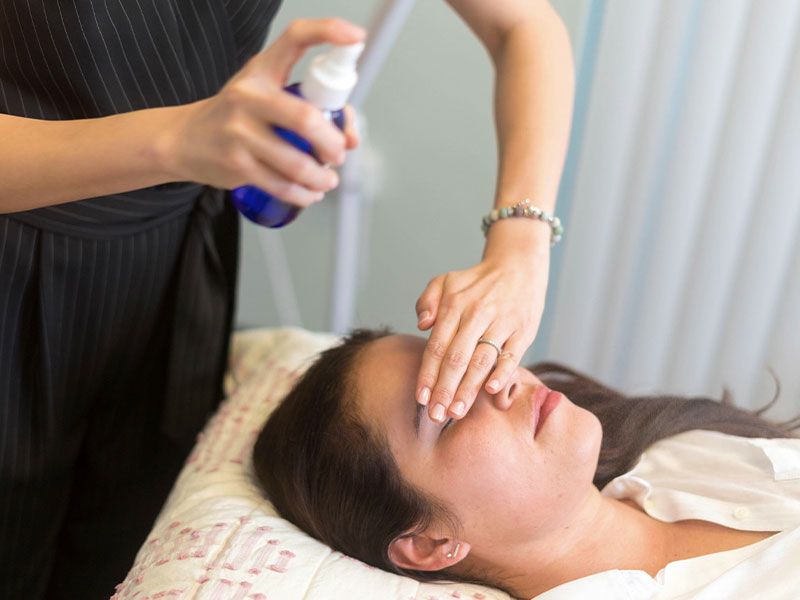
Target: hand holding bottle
[(228, 140), (327, 85)]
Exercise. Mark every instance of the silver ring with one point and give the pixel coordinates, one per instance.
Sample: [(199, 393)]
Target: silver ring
[(493, 344)]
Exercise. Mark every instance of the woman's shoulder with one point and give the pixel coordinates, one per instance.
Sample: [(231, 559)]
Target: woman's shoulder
[(704, 451), (713, 456), (739, 482)]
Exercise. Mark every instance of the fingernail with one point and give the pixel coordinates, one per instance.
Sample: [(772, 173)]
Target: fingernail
[(319, 196), (423, 317), (333, 180), (437, 413), (494, 385), (458, 408), (423, 396)]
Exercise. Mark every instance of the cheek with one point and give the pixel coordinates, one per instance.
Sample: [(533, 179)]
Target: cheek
[(476, 463), (492, 476), (509, 492)]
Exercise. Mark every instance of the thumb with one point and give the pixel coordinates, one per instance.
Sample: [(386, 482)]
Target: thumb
[(428, 303), (301, 34)]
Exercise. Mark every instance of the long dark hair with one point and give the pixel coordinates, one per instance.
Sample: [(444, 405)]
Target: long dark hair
[(324, 470)]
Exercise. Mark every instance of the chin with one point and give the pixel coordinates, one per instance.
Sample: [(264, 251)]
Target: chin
[(586, 435), (597, 441)]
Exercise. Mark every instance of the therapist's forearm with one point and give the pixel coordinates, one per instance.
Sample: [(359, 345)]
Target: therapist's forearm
[(533, 109), (44, 163)]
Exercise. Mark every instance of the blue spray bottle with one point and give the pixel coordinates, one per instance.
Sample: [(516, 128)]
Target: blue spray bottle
[(327, 85)]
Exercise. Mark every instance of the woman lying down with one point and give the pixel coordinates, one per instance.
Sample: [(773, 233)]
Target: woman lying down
[(511, 497)]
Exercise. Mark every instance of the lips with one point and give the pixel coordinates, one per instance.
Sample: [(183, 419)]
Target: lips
[(545, 401), (539, 396)]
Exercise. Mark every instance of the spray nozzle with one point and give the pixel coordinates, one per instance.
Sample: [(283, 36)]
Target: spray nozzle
[(342, 57), (332, 76)]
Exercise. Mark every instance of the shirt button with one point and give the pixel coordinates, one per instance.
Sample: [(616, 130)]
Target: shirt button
[(741, 513)]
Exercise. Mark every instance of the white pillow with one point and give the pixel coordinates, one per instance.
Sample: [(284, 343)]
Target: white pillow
[(218, 538)]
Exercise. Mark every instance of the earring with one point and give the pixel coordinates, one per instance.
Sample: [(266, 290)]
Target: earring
[(454, 552)]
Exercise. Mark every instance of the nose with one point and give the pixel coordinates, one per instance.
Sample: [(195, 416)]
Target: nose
[(506, 396)]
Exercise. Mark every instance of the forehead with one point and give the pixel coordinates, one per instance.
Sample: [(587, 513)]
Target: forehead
[(385, 377)]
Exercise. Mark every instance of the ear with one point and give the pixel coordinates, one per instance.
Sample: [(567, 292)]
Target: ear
[(423, 552)]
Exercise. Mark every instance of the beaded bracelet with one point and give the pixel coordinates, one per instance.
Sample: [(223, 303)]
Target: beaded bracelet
[(525, 209)]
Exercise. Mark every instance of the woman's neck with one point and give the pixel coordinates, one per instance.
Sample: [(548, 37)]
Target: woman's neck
[(606, 534), (611, 534)]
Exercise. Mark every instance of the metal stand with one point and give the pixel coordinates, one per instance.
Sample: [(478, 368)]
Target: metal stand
[(382, 34)]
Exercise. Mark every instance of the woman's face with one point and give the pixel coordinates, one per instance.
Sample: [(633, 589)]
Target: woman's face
[(507, 473)]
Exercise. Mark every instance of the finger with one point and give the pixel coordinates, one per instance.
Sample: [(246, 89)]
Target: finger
[(351, 128), (267, 179), (483, 359), (276, 107), (433, 355), (427, 305), (282, 55), (453, 366), (294, 165), (507, 363)]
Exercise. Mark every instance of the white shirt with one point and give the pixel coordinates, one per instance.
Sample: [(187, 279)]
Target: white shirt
[(742, 483)]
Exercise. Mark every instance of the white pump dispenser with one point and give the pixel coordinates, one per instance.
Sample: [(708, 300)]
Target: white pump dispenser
[(332, 76)]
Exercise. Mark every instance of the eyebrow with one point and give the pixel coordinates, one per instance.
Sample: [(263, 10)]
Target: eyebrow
[(417, 417)]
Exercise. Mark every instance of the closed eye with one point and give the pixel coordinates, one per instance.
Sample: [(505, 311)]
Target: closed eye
[(447, 424)]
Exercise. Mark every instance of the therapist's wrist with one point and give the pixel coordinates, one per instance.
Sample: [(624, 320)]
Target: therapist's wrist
[(518, 238), (166, 125)]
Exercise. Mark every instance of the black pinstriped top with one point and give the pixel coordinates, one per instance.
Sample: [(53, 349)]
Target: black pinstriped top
[(77, 59)]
